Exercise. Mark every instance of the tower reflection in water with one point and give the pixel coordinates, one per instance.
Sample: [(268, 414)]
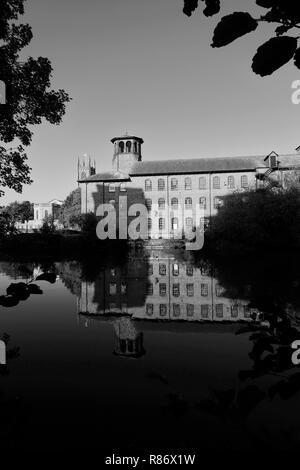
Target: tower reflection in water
[(156, 287)]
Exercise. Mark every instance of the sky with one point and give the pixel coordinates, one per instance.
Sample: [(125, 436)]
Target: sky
[(144, 67)]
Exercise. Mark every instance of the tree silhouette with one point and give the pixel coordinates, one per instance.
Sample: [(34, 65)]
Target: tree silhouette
[(274, 53), (29, 97)]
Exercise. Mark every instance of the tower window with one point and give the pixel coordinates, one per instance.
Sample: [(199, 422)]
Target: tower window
[(161, 184), (149, 223), (128, 146), (121, 146), (188, 183), (148, 185), (135, 147), (202, 182), (174, 184), (216, 182), (244, 181)]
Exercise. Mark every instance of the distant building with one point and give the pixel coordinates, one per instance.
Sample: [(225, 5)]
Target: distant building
[(169, 185), (42, 210)]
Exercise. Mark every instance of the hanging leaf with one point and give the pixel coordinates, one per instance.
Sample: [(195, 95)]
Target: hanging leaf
[(273, 54), (189, 7), (50, 277), (232, 27)]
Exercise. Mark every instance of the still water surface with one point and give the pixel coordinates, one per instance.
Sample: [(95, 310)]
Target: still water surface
[(139, 355)]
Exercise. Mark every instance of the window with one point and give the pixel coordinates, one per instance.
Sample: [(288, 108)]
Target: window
[(189, 310), (162, 269), (244, 181), (234, 311), (148, 203), (150, 269), (37, 214), (247, 311), (149, 224), (149, 288), (230, 182), (217, 202), (121, 147), (204, 311), (202, 202), (46, 213), (123, 288), (188, 183), (149, 309), (174, 203), (219, 290), (189, 270), (204, 221), (113, 272), (111, 188), (161, 223), (124, 308), (190, 290), (188, 202), (204, 290), (174, 223), (163, 310), (219, 310), (161, 184), (202, 182), (176, 290), (216, 182), (128, 146), (174, 184), (122, 187), (175, 269), (161, 204), (112, 288), (162, 289), (148, 185), (189, 222), (176, 310)]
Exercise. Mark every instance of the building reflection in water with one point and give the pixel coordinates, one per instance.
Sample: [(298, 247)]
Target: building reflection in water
[(160, 287), (156, 287)]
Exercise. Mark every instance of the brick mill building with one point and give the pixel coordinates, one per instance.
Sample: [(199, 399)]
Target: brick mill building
[(173, 190)]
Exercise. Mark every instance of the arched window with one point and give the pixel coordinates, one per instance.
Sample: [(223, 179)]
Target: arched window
[(111, 188), (188, 183), (189, 222), (161, 184), (122, 187), (230, 182), (244, 181), (128, 146), (149, 224), (216, 182), (174, 223), (174, 203), (148, 185), (202, 202), (174, 184), (217, 202), (188, 202), (121, 146), (148, 203), (202, 182), (161, 223), (135, 147), (161, 203)]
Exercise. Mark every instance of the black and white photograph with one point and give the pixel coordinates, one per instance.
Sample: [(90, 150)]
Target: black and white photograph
[(150, 229)]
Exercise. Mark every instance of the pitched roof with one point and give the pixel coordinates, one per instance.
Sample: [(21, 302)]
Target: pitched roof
[(106, 176), (198, 165)]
